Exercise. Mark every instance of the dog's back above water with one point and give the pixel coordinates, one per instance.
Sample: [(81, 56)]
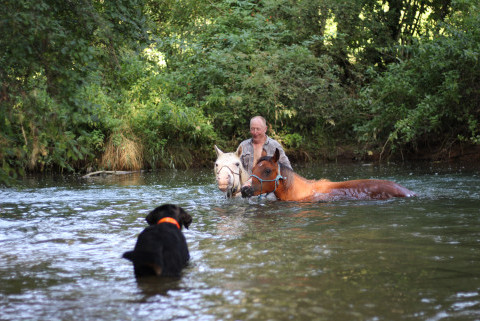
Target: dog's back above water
[(161, 248)]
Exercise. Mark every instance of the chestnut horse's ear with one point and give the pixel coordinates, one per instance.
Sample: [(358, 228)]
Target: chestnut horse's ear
[(218, 151), (239, 151), (276, 156)]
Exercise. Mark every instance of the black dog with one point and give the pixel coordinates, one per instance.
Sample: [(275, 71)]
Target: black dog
[(161, 248)]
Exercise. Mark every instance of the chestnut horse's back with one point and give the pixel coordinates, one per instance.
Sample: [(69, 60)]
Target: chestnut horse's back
[(369, 189)]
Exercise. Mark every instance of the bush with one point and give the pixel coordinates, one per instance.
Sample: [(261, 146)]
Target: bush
[(171, 133), (240, 67), (430, 99)]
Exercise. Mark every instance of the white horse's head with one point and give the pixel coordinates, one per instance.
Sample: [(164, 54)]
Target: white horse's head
[(229, 172)]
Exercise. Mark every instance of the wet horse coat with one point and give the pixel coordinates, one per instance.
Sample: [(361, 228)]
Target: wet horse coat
[(270, 176), (229, 172)]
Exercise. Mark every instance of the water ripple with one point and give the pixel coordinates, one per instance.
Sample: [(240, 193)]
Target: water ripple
[(62, 240)]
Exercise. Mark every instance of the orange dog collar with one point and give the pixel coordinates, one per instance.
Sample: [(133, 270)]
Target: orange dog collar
[(169, 220)]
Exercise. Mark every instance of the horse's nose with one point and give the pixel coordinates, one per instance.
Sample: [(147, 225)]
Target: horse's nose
[(247, 183), (247, 191)]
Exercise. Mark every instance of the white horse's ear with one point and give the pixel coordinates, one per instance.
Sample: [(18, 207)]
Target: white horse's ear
[(239, 151), (219, 152)]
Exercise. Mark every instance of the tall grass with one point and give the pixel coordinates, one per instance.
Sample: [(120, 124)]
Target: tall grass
[(123, 151)]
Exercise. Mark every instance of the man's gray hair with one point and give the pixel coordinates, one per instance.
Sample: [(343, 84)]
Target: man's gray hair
[(261, 118)]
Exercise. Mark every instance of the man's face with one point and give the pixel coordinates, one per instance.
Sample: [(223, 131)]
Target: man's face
[(257, 129)]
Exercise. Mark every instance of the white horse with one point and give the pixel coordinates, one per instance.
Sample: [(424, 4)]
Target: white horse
[(229, 172)]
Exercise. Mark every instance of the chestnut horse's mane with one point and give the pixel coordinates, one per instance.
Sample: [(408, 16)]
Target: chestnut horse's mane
[(287, 172)]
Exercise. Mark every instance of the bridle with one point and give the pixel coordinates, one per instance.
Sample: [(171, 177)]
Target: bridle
[(234, 188), (276, 180)]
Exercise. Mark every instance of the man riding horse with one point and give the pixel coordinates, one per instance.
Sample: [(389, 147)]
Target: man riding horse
[(259, 145)]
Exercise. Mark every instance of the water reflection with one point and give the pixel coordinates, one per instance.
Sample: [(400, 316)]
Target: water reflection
[(151, 286)]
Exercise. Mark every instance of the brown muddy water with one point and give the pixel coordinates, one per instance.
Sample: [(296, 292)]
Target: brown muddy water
[(62, 238)]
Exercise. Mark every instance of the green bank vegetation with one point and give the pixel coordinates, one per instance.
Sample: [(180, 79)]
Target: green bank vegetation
[(130, 84)]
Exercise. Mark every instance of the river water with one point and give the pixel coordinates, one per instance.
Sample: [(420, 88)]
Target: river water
[(62, 238)]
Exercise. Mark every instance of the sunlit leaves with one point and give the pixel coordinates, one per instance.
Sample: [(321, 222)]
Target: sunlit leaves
[(430, 99)]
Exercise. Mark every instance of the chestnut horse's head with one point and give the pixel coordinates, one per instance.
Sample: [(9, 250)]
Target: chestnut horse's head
[(229, 171), (265, 178)]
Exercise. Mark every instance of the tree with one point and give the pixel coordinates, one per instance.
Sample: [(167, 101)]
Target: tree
[(429, 101)]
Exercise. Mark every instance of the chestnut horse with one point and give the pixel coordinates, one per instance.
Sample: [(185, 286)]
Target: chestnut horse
[(270, 176), (229, 172)]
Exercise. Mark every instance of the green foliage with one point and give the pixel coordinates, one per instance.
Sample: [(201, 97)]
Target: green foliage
[(171, 78), (172, 134), (51, 50), (239, 66), (293, 140), (47, 132), (430, 99)]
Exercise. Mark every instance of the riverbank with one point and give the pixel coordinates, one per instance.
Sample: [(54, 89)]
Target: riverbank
[(466, 153)]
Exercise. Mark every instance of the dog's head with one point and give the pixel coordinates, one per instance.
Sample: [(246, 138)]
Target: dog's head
[(169, 210)]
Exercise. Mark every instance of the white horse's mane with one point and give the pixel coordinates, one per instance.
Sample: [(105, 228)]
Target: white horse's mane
[(229, 172)]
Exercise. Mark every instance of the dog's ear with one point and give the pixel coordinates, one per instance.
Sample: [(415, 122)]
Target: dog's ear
[(184, 218), (169, 210), (151, 218), (158, 213)]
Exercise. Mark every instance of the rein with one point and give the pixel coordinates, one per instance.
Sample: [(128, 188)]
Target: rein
[(276, 180), (169, 220)]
